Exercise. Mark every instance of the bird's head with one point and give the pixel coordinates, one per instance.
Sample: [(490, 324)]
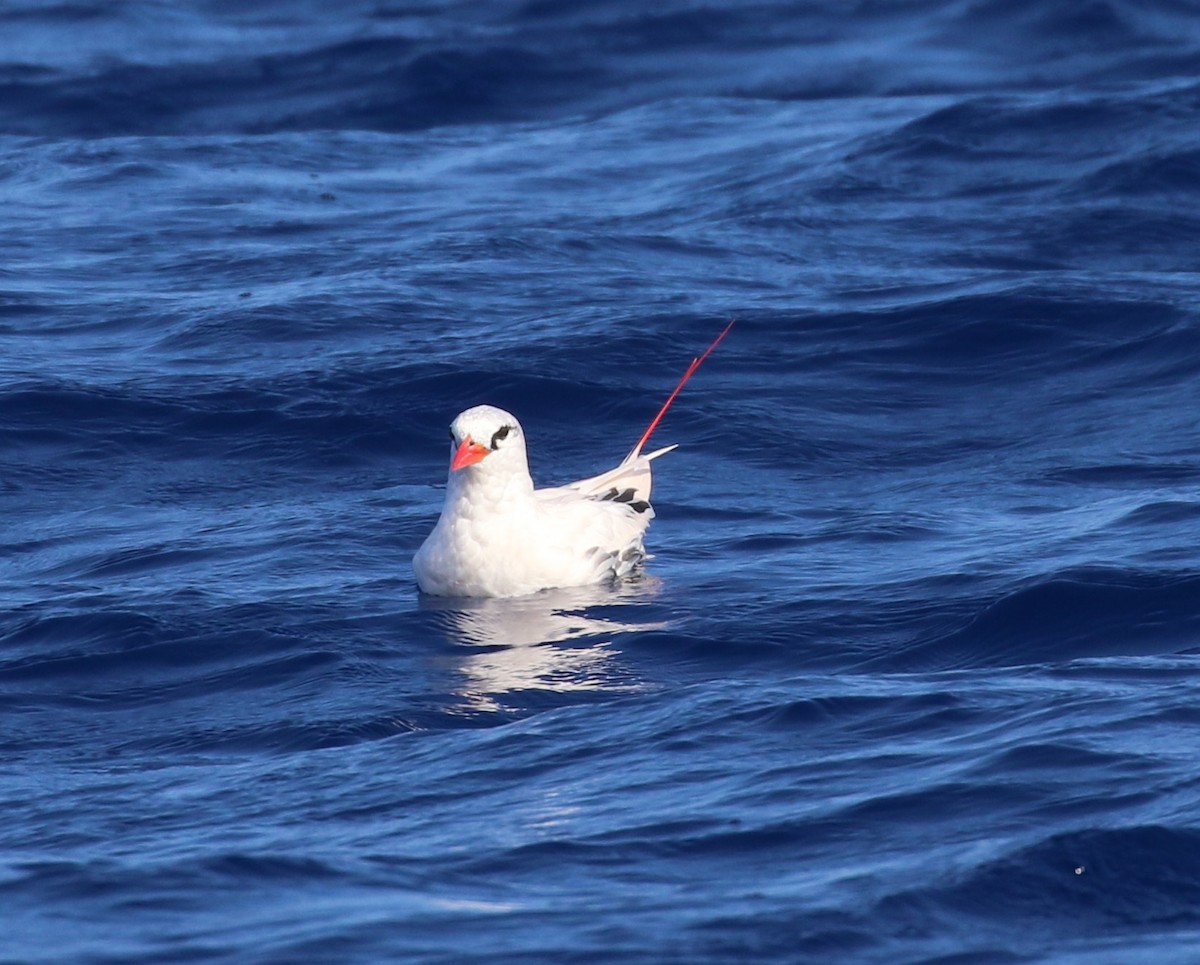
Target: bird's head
[(488, 439)]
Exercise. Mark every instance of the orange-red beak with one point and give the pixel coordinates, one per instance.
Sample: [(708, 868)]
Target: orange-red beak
[(468, 453)]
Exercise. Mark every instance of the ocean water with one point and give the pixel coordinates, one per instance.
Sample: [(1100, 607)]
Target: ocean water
[(912, 675)]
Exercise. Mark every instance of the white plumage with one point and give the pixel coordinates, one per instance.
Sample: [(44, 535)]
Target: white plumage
[(499, 537)]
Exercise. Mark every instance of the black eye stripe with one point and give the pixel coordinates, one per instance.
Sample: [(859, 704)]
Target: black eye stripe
[(499, 435)]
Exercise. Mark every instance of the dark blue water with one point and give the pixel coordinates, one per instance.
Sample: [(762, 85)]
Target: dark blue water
[(913, 674)]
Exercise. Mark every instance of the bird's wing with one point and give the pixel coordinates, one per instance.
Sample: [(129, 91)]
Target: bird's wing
[(604, 517), (629, 483), (600, 530)]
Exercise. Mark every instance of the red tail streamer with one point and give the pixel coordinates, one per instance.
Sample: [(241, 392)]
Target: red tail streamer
[(691, 370)]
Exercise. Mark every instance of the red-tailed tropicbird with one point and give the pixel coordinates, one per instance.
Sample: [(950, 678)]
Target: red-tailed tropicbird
[(499, 537)]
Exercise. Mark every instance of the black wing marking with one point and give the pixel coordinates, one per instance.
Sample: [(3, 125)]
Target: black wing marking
[(627, 497)]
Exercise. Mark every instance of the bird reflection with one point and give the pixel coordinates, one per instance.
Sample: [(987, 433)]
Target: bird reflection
[(556, 640)]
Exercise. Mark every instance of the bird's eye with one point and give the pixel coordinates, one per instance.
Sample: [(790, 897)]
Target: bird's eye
[(499, 435)]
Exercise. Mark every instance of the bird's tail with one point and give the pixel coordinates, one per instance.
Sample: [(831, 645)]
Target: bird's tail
[(691, 370)]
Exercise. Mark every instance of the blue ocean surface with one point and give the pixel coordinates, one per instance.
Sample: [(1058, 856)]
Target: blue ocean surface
[(913, 674)]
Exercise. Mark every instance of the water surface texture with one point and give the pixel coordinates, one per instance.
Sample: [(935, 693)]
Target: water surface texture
[(913, 673)]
